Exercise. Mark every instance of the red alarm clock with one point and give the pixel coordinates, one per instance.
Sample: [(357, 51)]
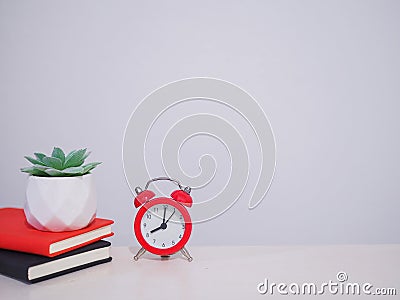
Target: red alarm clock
[(163, 225)]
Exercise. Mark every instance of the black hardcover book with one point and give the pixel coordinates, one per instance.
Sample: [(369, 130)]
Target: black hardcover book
[(31, 268)]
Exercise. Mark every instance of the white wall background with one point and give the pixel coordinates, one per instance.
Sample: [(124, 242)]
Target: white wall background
[(325, 72)]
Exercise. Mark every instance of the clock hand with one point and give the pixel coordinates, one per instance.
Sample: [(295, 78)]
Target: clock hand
[(162, 226), (170, 217), (165, 210), (154, 230), (164, 223)]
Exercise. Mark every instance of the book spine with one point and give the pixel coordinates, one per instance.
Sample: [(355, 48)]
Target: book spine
[(25, 244), (16, 271)]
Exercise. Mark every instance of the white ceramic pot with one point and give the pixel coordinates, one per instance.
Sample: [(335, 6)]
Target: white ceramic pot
[(60, 203)]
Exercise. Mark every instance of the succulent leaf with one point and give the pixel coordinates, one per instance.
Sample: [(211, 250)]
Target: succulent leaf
[(39, 155), (70, 154), (34, 161), (53, 162), (73, 171), (75, 159), (90, 166), (86, 155), (58, 153), (54, 172), (40, 167), (34, 171)]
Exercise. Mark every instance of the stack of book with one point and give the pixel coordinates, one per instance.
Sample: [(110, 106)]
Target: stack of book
[(32, 255)]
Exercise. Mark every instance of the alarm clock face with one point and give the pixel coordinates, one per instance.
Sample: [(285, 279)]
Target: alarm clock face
[(162, 226)]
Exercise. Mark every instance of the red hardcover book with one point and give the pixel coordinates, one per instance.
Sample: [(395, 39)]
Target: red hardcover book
[(16, 234)]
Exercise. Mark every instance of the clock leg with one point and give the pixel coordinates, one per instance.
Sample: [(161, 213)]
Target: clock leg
[(139, 254), (186, 254)]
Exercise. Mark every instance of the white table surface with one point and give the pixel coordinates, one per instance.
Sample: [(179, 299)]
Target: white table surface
[(218, 273)]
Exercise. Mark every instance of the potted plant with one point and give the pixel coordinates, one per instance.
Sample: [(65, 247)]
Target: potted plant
[(60, 194)]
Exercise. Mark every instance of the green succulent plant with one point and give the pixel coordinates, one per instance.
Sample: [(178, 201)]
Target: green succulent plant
[(59, 164)]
